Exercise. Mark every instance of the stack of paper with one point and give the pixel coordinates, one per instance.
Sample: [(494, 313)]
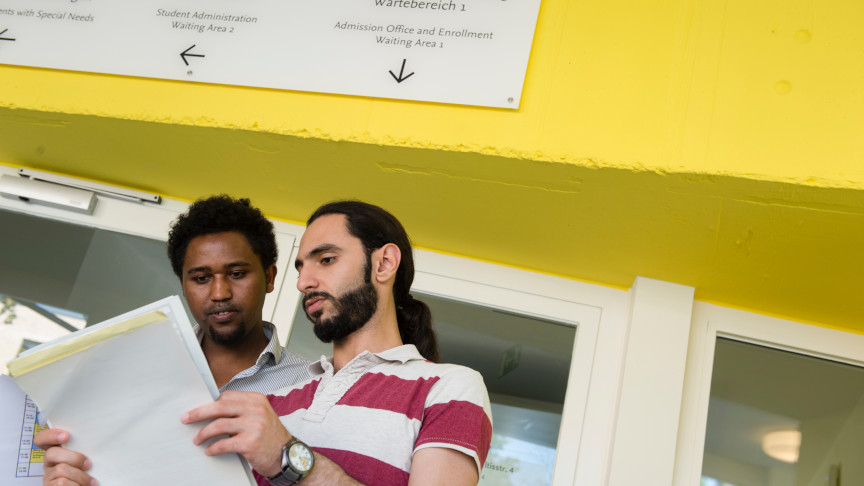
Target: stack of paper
[(120, 388)]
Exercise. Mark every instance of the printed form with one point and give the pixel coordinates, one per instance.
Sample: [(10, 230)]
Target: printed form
[(20, 460)]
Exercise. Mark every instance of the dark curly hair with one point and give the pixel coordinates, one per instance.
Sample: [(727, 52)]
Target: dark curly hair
[(375, 227), (218, 214)]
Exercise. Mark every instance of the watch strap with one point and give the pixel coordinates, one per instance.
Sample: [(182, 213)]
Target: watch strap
[(285, 478)]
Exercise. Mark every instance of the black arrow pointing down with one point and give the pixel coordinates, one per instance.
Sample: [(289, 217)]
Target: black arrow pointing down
[(399, 79)]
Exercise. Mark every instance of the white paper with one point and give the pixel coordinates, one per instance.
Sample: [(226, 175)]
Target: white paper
[(122, 399), (20, 464)]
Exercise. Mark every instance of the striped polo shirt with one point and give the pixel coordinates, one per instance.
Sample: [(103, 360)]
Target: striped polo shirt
[(371, 416), (275, 367)]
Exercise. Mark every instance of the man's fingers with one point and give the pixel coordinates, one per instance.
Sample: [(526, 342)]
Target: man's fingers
[(50, 438), (62, 467), (64, 474), (211, 411), (242, 422), (222, 426), (56, 456), (229, 404), (234, 395), (224, 446), (262, 451)]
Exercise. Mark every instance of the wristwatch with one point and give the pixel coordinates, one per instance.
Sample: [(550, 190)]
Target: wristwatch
[(297, 461)]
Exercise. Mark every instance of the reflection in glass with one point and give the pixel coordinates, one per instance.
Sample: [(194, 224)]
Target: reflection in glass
[(26, 324), (778, 418), (521, 451), (525, 363)]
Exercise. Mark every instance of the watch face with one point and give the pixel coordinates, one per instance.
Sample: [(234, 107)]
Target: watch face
[(300, 457)]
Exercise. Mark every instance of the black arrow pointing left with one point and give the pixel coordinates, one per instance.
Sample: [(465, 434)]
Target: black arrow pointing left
[(185, 53), (6, 38)]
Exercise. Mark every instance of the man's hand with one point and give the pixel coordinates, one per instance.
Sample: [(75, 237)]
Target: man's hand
[(253, 429), (62, 466)]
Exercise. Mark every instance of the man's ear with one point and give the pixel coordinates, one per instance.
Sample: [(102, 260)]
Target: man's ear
[(385, 262), (270, 276)]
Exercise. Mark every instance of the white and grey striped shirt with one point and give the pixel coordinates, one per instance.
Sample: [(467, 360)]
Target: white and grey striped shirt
[(275, 368)]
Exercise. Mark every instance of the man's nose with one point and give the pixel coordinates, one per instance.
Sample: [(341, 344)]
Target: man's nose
[(306, 280), (221, 289)]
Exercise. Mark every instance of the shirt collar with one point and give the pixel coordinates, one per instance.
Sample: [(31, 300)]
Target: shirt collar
[(402, 354), (273, 348)]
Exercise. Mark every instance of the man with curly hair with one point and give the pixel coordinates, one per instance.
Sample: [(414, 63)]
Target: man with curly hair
[(224, 252)]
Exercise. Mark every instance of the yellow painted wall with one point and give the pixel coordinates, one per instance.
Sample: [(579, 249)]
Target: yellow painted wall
[(709, 143)]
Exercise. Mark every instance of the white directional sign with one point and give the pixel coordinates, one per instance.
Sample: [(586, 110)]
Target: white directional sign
[(472, 52)]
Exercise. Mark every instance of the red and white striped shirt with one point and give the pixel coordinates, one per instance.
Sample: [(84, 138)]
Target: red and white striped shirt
[(378, 410)]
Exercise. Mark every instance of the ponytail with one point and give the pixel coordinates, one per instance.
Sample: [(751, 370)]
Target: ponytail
[(415, 327)]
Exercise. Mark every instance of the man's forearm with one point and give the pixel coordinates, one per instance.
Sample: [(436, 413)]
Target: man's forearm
[(326, 473)]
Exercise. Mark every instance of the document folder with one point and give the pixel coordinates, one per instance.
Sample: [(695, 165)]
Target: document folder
[(120, 387)]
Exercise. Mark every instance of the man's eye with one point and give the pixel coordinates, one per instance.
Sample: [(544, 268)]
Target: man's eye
[(328, 260), (200, 279), (237, 274)]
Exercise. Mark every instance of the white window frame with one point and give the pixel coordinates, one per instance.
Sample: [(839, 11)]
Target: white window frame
[(588, 419), (711, 322), (652, 380)]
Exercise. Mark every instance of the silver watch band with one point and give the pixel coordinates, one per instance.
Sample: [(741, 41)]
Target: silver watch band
[(284, 478)]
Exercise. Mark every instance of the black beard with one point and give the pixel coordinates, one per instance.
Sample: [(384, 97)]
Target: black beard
[(225, 339), (353, 311)]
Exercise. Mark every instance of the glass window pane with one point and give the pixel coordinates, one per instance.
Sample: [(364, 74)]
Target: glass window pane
[(778, 418), (525, 363), (57, 277)]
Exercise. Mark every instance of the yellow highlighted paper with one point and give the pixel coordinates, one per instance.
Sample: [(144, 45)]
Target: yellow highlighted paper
[(49, 355)]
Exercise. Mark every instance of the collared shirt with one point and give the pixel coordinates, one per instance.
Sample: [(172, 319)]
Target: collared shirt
[(372, 415), (275, 368)]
